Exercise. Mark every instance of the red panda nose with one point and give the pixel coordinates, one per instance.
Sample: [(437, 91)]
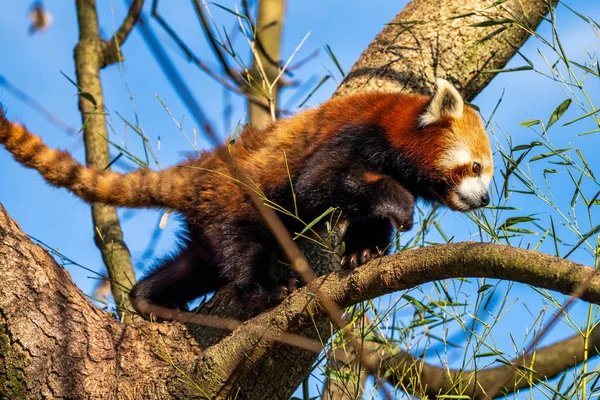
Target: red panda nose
[(485, 200)]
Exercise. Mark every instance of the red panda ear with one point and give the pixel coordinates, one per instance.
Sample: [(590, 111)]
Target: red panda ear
[(446, 102)]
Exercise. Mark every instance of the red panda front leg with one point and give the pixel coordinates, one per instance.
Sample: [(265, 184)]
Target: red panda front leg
[(391, 205)]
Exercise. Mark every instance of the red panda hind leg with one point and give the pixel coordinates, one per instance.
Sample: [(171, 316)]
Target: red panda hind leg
[(178, 280)]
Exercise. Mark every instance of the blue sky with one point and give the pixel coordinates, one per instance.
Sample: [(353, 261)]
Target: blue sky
[(63, 222)]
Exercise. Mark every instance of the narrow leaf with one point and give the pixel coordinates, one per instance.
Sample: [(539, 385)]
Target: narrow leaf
[(558, 112), (516, 220), (492, 22), (315, 221), (582, 240), (582, 117), (499, 71), (530, 122), (334, 59), (550, 154), (321, 82)]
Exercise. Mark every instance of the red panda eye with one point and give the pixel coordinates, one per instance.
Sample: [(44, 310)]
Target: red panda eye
[(476, 168)]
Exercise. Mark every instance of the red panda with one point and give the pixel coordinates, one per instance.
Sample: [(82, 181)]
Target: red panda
[(371, 155)]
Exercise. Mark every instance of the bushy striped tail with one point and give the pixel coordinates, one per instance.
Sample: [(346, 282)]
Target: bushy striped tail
[(141, 188)]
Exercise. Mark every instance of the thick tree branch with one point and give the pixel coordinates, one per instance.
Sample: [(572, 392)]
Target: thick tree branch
[(111, 49), (383, 276), (405, 371), (424, 42)]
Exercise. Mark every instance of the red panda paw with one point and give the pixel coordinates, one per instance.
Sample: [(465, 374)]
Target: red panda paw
[(259, 298), (282, 291), (359, 258)]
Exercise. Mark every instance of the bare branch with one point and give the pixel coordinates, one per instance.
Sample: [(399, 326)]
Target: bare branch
[(111, 49), (107, 228)]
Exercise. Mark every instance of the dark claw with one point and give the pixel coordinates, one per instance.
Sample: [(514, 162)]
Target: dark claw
[(366, 256), (357, 259), (293, 284)]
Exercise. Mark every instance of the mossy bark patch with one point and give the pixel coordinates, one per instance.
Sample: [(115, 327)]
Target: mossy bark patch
[(12, 378)]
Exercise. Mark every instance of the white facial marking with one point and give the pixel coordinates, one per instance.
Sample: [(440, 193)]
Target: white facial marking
[(455, 157), (471, 190), (486, 179)]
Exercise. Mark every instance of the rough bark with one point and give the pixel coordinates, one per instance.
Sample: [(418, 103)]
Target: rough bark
[(54, 343), (423, 43), (91, 54)]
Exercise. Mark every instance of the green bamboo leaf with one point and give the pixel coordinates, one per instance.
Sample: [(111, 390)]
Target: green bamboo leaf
[(554, 236), (499, 71), (476, 107), (490, 35), (235, 133), (230, 11), (585, 164), (489, 353), (338, 375), (550, 154), (558, 112), (586, 69), (492, 22), (462, 15), (315, 221), (576, 13), (495, 4), (582, 240), (483, 288), (530, 122), (334, 59), (503, 208), (582, 117), (589, 132), (417, 303), (521, 230), (577, 191), (517, 220), (526, 146), (559, 385), (321, 82), (407, 22), (89, 97), (71, 80), (594, 201)]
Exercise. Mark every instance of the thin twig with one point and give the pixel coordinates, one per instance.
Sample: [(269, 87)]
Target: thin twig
[(111, 49)]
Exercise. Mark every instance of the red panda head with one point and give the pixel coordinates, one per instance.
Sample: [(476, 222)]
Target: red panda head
[(460, 156)]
